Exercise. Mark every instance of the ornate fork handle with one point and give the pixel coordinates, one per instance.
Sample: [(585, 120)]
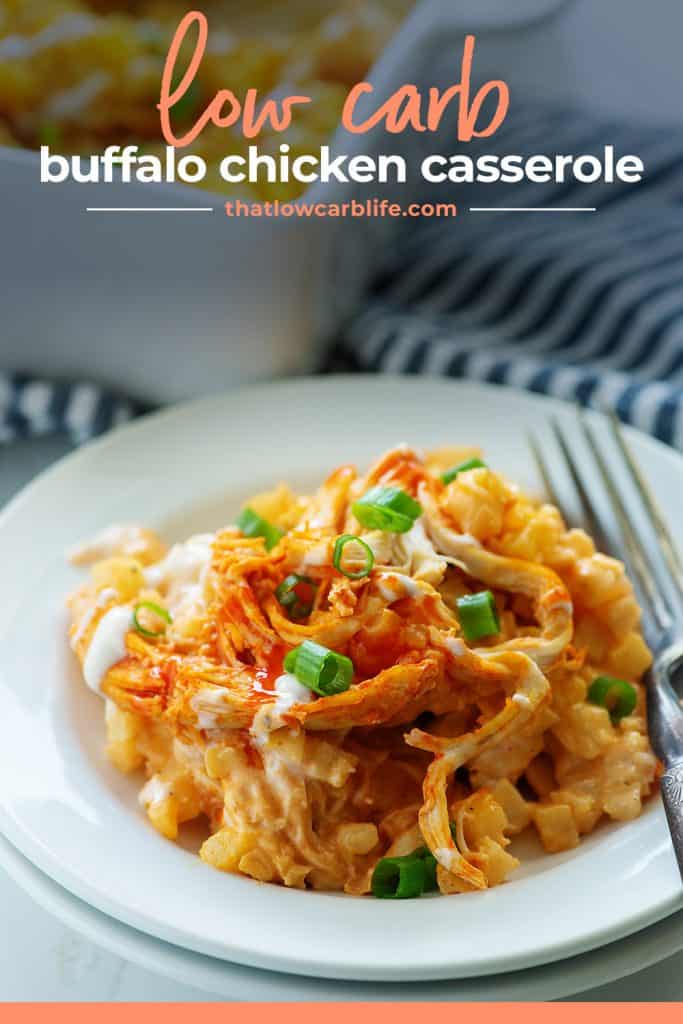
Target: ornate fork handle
[(672, 795), (665, 717), (660, 588)]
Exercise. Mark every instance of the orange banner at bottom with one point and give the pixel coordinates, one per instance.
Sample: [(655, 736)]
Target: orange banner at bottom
[(338, 1013)]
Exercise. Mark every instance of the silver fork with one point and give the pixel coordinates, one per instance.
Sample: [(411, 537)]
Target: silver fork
[(662, 606)]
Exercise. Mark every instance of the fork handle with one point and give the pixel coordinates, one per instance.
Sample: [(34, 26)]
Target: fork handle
[(664, 711), (665, 721), (672, 796)]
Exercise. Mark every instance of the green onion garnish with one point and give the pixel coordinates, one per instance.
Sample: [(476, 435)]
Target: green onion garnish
[(398, 878), (387, 508), (252, 525), (188, 104), (402, 878), (462, 467), (157, 610), (618, 696), (296, 594), (339, 546), (320, 669), (50, 134), (478, 615), (429, 861)]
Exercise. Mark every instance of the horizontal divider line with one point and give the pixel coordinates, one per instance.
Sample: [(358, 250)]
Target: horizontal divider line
[(149, 209), (533, 209)]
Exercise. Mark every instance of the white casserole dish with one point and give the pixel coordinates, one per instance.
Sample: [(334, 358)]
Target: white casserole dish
[(167, 306)]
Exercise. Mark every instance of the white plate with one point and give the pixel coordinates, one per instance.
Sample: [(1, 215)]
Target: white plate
[(77, 819), (212, 976)]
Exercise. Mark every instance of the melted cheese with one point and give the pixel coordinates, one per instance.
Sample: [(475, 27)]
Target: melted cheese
[(154, 791), (182, 573)]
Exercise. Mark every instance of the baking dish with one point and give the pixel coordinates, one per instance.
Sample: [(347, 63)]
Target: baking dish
[(165, 306)]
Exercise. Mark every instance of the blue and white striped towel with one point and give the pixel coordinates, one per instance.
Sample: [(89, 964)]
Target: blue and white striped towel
[(32, 407), (586, 307)]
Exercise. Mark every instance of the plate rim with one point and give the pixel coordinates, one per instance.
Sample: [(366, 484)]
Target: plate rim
[(42, 858), (548, 981)]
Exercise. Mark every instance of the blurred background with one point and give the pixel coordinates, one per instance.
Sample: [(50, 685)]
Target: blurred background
[(105, 316), (132, 304)]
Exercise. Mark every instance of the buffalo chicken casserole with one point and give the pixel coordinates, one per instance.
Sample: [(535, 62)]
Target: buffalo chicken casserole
[(374, 688)]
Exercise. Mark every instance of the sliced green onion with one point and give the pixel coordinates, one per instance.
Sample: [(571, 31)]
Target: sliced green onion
[(319, 668), (387, 508), (619, 697), (50, 134), (188, 104), (296, 594), (462, 467), (478, 615), (150, 606), (253, 525), (398, 878), (339, 546), (430, 883)]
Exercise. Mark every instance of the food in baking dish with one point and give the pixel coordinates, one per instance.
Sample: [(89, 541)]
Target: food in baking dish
[(79, 75), (376, 687)]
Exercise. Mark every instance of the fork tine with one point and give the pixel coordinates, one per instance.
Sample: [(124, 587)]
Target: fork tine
[(670, 552), (635, 555), (590, 516), (543, 470)]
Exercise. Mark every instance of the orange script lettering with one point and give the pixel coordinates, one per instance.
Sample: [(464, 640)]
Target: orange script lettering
[(224, 110), (407, 108)]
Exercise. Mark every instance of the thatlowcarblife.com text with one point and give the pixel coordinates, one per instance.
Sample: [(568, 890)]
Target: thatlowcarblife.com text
[(352, 208)]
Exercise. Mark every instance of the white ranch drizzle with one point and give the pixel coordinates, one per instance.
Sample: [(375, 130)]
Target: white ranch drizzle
[(107, 647), (288, 691), (103, 598)]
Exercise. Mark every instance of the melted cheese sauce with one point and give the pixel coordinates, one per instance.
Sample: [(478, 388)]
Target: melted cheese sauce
[(183, 571), (154, 791)]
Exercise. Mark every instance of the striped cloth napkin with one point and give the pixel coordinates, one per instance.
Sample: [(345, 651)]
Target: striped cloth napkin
[(32, 407), (587, 307)]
